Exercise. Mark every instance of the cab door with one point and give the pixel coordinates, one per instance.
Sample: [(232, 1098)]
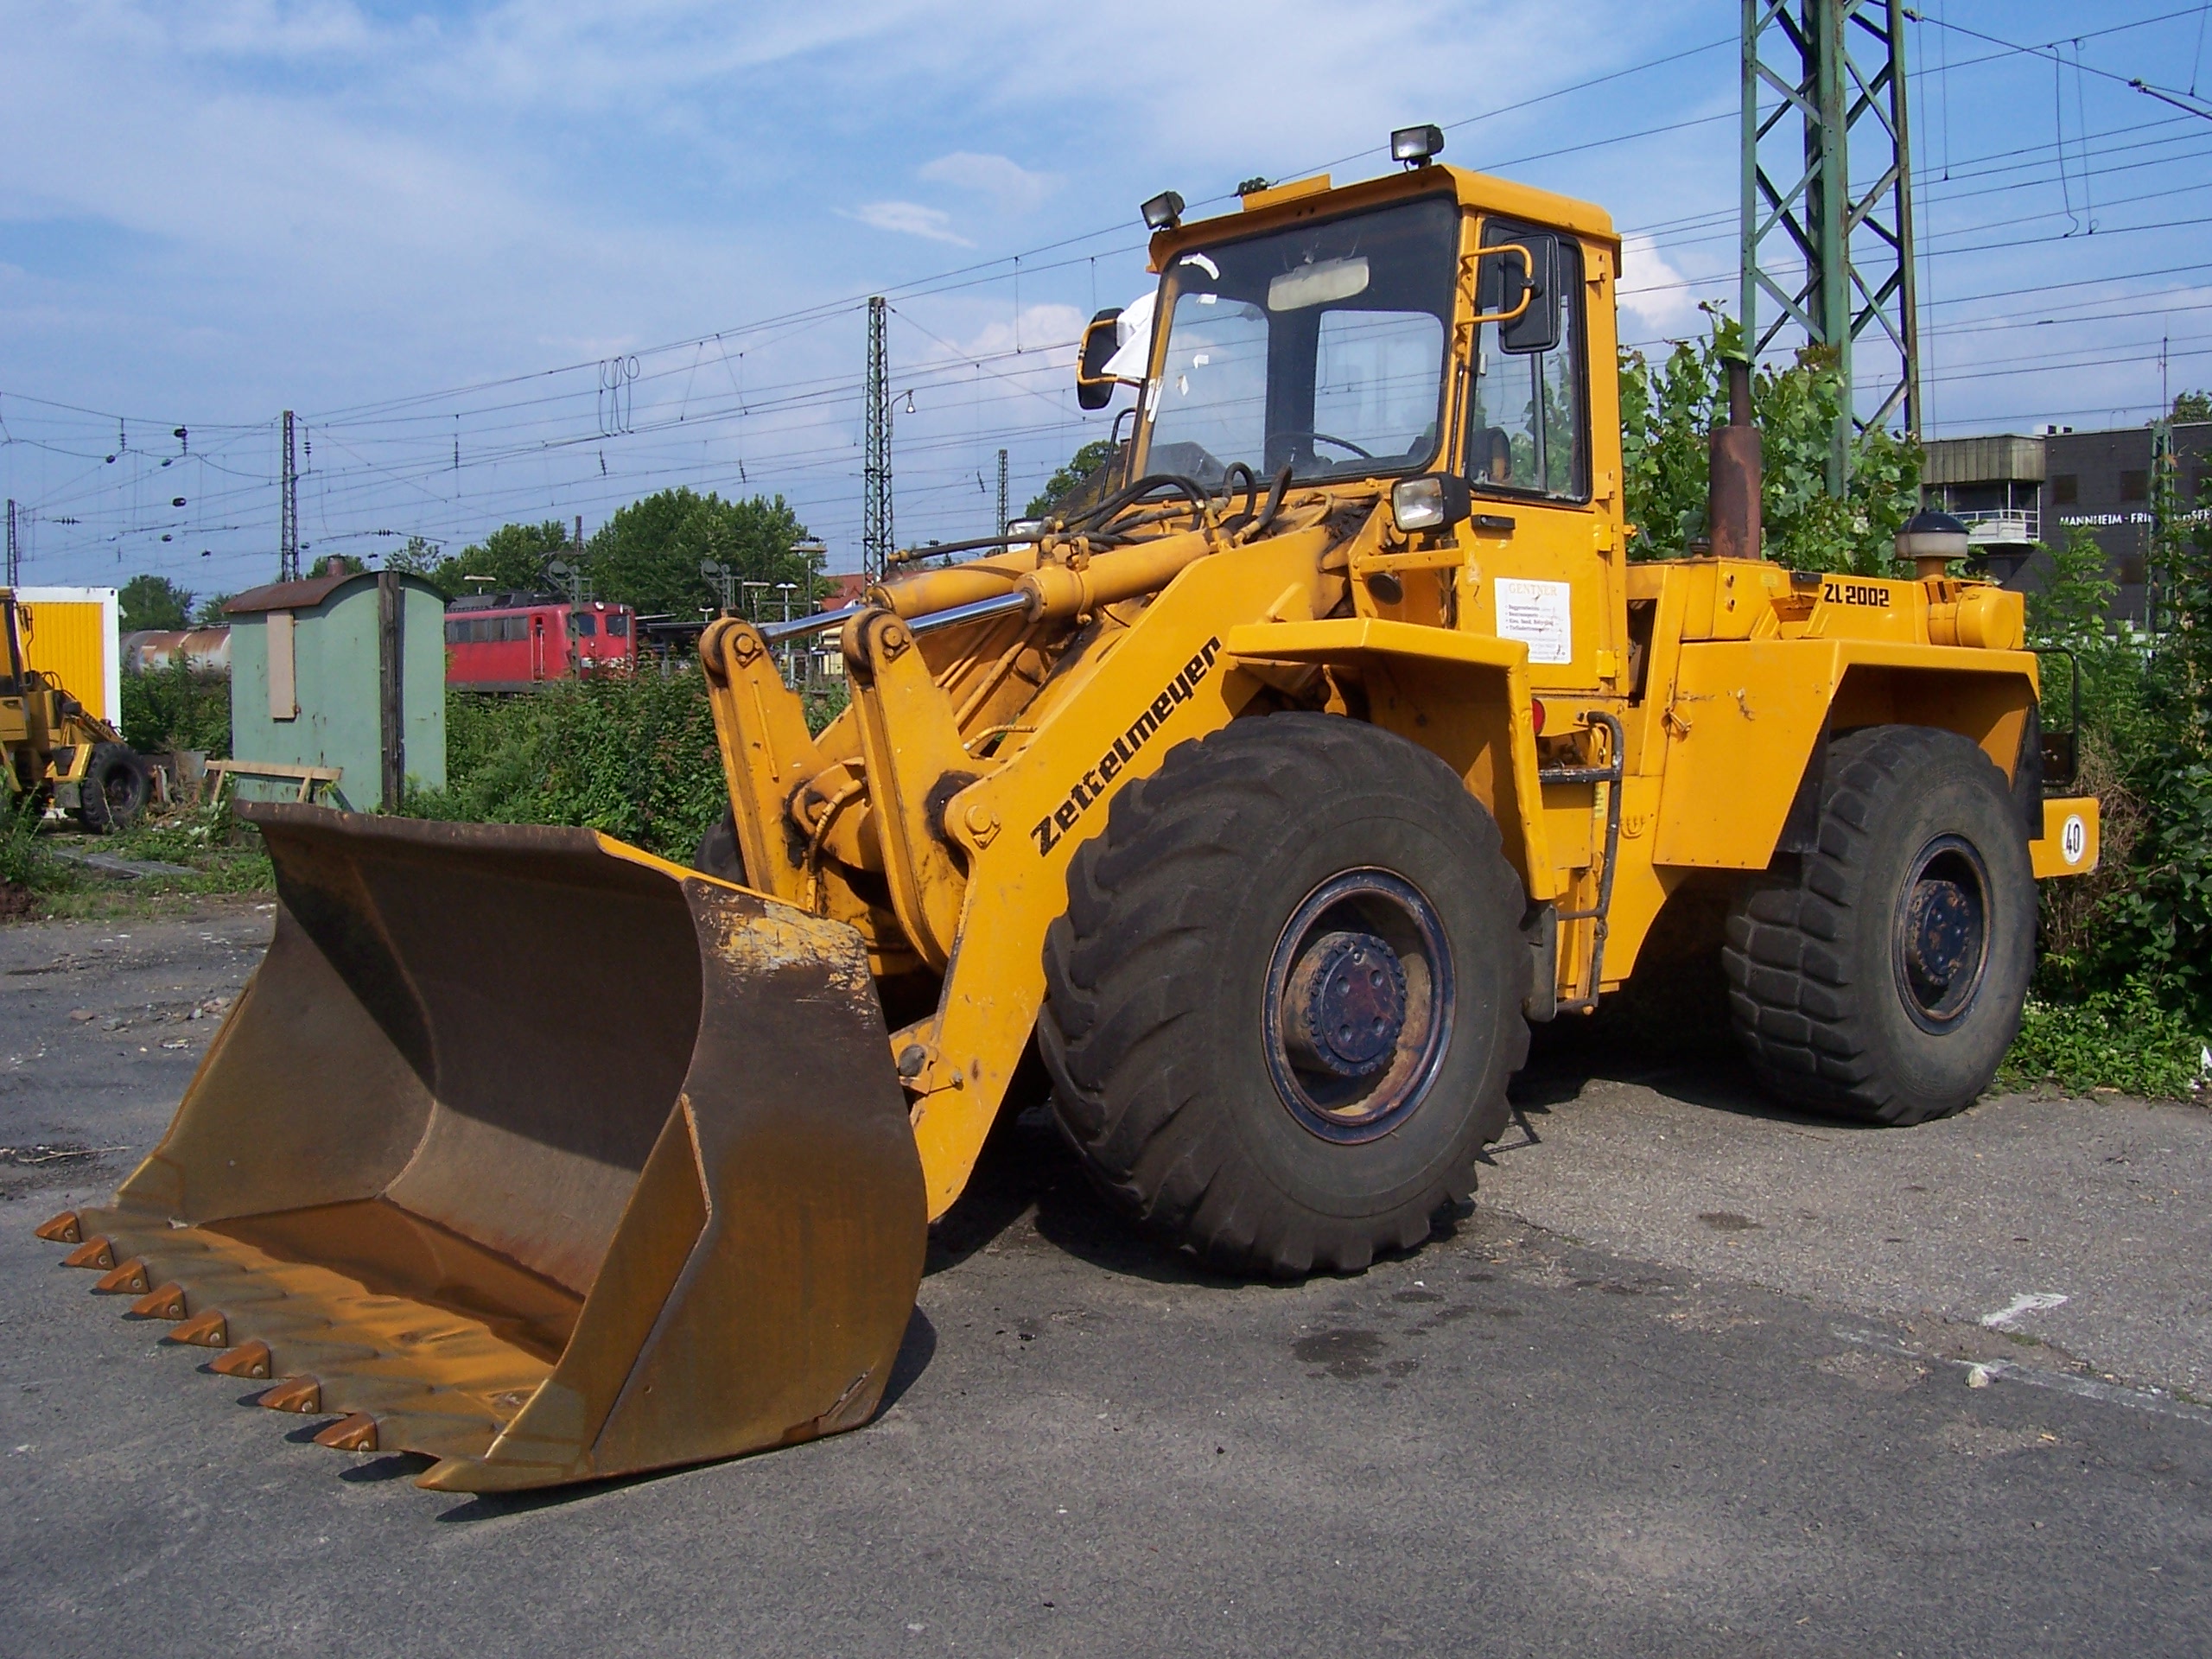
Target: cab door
[(1541, 553)]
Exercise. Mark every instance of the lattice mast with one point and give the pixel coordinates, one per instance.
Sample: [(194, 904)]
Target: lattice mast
[(288, 533), (1834, 258), (876, 542)]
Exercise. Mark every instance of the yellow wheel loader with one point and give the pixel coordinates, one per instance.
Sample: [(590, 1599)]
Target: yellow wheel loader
[(58, 753), (1266, 801)]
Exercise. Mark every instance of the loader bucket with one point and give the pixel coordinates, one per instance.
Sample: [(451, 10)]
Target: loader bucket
[(527, 1150)]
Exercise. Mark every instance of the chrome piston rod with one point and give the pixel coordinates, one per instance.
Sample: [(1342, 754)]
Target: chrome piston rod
[(930, 622)]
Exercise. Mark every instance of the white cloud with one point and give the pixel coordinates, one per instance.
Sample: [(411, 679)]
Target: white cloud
[(1012, 186), (910, 218), (1049, 331), (1656, 302)]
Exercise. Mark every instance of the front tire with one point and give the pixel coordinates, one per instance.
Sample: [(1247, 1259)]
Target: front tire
[(1285, 999), (1883, 979)]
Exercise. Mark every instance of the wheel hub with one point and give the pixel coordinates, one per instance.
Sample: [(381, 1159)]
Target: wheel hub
[(1359, 1005), (1345, 1004), (1942, 934), (1939, 934)]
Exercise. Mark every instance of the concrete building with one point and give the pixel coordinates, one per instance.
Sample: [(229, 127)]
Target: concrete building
[(345, 670), (2021, 495)]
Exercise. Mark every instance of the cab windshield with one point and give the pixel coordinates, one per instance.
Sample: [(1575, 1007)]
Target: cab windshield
[(1321, 346)]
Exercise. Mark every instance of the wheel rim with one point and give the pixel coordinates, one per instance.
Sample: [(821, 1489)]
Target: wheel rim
[(1357, 1010), (1940, 942)]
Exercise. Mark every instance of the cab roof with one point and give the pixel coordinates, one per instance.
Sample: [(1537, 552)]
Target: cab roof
[(1315, 197)]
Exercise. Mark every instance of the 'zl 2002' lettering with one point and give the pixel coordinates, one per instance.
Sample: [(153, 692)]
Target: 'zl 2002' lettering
[(1097, 780), (1855, 593)]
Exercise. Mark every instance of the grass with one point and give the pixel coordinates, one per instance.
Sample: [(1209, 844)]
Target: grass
[(2125, 1039), (224, 859)]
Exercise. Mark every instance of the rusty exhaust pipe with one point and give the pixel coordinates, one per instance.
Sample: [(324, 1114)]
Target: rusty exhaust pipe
[(1732, 486)]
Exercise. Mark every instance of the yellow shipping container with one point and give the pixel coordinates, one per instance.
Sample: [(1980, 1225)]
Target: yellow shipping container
[(72, 636)]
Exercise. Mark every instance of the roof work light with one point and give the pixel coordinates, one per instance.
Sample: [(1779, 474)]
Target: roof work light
[(1416, 146), (1164, 212)]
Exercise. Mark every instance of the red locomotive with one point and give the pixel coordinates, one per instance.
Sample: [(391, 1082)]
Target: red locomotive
[(511, 642)]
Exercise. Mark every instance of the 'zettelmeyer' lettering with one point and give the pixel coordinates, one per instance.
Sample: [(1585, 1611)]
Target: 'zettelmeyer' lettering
[(1096, 781)]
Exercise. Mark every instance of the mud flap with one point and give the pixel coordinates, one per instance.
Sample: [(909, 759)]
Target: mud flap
[(538, 1154)]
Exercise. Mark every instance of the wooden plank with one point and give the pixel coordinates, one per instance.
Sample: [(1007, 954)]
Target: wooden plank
[(283, 679)]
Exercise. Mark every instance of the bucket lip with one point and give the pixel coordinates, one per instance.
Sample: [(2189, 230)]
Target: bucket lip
[(449, 835), (417, 832)]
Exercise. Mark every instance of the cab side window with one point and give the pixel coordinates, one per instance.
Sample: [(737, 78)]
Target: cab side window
[(1527, 422)]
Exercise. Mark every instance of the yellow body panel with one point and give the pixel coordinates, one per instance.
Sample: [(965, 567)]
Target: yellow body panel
[(2070, 843)]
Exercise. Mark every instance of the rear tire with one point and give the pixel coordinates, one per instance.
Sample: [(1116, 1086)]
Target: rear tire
[(1214, 1061), (1884, 978), (115, 789)]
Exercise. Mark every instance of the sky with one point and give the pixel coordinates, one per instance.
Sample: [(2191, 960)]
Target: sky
[(514, 262)]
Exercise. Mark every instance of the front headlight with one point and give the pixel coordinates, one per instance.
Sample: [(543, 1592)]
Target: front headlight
[(1433, 501)]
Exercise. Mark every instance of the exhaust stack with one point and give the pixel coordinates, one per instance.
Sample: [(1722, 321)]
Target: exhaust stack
[(1732, 498)]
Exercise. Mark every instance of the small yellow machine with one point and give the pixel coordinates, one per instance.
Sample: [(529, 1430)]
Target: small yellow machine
[(58, 751), (1267, 801)]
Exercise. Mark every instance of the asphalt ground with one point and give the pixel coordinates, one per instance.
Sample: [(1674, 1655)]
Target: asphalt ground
[(1694, 1377)]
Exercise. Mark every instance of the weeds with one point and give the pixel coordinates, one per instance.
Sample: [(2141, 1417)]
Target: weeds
[(2125, 1039), (634, 757)]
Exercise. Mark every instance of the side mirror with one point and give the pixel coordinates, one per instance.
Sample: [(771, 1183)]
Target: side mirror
[(1094, 387), (1524, 268)]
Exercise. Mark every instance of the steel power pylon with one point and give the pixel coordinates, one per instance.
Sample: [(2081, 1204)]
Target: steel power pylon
[(288, 542), (1003, 517), (1828, 201), (876, 545)]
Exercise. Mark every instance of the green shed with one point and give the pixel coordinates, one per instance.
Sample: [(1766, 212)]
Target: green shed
[(344, 670)]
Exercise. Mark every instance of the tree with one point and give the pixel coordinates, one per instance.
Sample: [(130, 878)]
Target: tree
[(2192, 406), (154, 602), (420, 557), (512, 557), (1667, 413), (210, 614), (649, 553), (1083, 468)]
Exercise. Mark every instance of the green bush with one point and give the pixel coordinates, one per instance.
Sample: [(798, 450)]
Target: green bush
[(2128, 1039), (20, 863), (634, 757), (176, 708)]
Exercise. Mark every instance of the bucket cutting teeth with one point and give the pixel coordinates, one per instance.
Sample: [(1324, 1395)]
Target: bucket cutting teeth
[(162, 1302), (250, 1359), (125, 1278), (299, 1393), (356, 1433), (209, 1330), (542, 1214)]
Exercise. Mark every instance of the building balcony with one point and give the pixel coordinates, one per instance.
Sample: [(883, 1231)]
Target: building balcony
[(2002, 526)]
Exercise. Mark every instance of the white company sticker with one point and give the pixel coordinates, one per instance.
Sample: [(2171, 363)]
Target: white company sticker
[(1539, 613)]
